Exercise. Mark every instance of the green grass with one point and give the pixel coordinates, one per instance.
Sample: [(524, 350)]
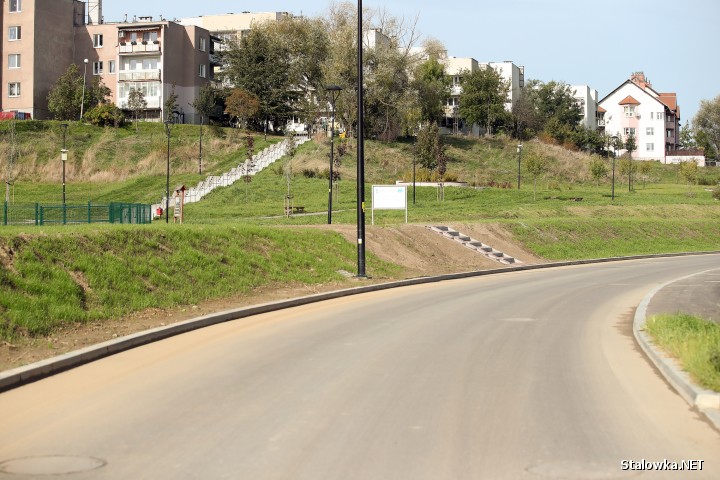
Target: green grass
[(53, 276), (693, 341)]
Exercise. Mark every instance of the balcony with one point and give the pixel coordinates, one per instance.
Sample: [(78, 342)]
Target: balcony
[(140, 47), (152, 102), (125, 76)]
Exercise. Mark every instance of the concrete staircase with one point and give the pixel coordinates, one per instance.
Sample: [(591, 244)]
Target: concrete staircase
[(475, 245), (260, 161)]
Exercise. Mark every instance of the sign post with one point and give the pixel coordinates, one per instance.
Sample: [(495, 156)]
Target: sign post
[(389, 197)]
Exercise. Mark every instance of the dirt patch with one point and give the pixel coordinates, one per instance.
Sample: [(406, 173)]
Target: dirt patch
[(415, 248)]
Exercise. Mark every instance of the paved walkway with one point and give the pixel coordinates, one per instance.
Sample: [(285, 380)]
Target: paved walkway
[(698, 295)]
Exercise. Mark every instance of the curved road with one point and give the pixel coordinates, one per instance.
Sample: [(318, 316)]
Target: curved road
[(524, 375)]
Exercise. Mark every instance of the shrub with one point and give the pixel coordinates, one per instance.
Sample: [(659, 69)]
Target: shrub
[(105, 115), (716, 193)]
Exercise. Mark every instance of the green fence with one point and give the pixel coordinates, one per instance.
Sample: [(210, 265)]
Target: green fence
[(42, 214)]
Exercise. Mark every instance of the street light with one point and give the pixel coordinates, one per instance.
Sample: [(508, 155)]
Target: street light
[(334, 94), (614, 140), (360, 150), (519, 152), (82, 105), (168, 124), (63, 157), (414, 162)]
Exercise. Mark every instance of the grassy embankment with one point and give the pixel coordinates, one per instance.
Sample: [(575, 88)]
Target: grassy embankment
[(693, 341), (55, 274)]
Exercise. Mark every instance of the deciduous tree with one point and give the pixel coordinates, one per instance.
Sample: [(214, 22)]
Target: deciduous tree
[(707, 123), (483, 97)]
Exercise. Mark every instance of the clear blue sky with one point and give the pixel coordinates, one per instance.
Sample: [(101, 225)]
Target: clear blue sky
[(580, 42)]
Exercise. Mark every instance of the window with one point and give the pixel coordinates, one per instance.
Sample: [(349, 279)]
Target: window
[(650, 147), (97, 68), (111, 66), (670, 134), (14, 33), (650, 131), (14, 89), (16, 6), (660, 115), (652, 114), (133, 37), (14, 60), (629, 131), (203, 44), (97, 40), (203, 70), (629, 111)]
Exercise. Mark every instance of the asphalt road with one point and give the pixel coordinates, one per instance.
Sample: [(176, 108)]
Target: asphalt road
[(521, 375)]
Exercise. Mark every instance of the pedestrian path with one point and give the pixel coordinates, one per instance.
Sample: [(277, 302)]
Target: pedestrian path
[(259, 162), (476, 245)]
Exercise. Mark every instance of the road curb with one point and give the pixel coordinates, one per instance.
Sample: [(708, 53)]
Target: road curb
[(30, 373), (706, 401)]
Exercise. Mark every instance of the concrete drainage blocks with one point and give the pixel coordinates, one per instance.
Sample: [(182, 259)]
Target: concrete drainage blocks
[(476, 245)]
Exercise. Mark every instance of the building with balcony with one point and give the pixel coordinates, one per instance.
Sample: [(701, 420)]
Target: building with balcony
[(154, 57), (653, 118), (456, 68), (587, 99)]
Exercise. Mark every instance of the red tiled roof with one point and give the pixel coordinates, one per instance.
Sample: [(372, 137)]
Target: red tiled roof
[(629, 101), (601, 109), (669, 99)]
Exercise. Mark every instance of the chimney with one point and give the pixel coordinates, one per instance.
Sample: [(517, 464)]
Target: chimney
[(94, 9)]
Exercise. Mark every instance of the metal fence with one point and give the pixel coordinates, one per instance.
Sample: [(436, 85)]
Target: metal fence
[(42, 214)]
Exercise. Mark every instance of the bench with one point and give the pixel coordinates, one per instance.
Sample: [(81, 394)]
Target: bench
[(292, 210)]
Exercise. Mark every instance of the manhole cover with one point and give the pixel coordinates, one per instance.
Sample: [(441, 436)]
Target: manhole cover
[(580, 471), (51, 465)]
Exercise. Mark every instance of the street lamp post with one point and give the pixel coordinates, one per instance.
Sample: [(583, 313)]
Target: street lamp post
[(63, 158), (360, 150), (334, 94), (519, 152), (82, 105), (614, 145), (414, 162), (168, 125), (202, 120)]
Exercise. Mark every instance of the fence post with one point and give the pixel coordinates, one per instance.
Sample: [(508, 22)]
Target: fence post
[(89, 213), (111, 213), (64, 208), (42, 222), (5, 218)]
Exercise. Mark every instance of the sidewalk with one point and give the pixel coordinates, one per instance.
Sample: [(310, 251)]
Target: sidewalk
[(697, 295)]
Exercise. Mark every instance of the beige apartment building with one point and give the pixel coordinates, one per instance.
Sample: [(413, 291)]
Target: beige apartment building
[(43, 37)]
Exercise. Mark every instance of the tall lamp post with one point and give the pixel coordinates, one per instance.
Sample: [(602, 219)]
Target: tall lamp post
[(414, 162), (360, 150), (82, 105), (614, 140), (519, 152), (64, 157), (168, 125), (334, 94)]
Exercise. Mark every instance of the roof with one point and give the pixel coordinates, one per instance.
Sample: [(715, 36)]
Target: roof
[(601, 109), (629, 100), (669, 99)]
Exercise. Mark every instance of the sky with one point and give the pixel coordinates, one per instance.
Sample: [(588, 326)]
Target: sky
[(579, 42)]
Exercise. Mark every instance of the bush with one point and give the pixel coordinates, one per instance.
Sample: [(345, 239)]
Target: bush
[(716, 193), (105, 115)]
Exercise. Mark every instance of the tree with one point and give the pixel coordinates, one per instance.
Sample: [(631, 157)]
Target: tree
[(536, 165), (645, 171), (707, 123), (66, 96), (689, 171), (483, 97), (171, 104), (630, 146), (242, 105), (687, 137), (204, 104), (430, 149), (12, 158), (526, 121), (598, 169), (432, 87), (558, 113), (137, 104)]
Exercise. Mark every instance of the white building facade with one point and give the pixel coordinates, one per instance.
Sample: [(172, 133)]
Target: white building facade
[(653, 118), (587, 99)]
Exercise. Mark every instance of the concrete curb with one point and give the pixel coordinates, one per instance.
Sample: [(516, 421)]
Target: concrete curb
[(706, 401), (30, 373)]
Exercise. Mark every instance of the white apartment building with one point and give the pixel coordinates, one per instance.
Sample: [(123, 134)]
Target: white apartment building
[(653, 118), (587, 99), (455, 68)]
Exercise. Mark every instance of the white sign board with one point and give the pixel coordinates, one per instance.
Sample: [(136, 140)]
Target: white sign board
[(389, 197)]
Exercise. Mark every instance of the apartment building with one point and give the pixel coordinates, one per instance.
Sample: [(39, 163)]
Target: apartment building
[(232, 26), (587, 99), (43, 37), (456, 68), (653, 118), (37, 46)]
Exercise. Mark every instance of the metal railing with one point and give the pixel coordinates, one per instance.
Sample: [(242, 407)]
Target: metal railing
[(53, 214)]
